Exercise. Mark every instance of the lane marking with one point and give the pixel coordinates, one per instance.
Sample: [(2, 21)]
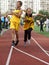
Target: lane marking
[(32, 56), (9, 56), (40, 46)]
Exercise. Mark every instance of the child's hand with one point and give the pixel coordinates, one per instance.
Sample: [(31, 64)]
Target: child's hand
[(19, 14), (26, 20)]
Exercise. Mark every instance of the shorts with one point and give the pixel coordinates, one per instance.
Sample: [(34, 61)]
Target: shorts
[(14, 25)]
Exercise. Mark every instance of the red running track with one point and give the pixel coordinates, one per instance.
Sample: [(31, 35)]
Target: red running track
[(19, 58)]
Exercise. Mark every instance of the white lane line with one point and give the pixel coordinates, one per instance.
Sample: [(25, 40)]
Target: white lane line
[(40, 46), (31, 56), (9, 56)]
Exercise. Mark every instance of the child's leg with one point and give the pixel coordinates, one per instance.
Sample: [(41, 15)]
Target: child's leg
[(17, 37), (13, 27), (25, 37), (13, 34), (13, 37), (29, 35)]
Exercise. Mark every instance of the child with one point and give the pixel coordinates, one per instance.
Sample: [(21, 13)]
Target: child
[(14, 23), (28, 26)]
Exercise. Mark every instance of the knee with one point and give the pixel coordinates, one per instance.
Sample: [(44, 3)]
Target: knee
[(13, 31)]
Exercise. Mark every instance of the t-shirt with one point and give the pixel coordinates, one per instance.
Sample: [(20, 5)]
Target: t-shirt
[(15, 18), (29, 24)]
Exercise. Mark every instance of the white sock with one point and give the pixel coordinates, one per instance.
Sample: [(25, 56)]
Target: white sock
[(28, 41), (24, 43)]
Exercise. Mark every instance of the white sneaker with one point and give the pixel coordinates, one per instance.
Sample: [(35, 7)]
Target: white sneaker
[(24, 44), (28, 41)]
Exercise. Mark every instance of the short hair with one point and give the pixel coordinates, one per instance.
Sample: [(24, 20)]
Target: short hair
[(20, 2)]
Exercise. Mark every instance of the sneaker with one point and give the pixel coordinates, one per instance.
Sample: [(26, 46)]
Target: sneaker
[(24, 44), (28, 41), (16, 42), (13, 43)]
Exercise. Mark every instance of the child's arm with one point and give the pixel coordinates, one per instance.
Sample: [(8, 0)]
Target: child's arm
[(32, 22), (24, 10), (26, 20), (16, 14), (13, 13)]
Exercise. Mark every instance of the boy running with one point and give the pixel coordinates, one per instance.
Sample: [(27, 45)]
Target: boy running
[(15, 22)]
